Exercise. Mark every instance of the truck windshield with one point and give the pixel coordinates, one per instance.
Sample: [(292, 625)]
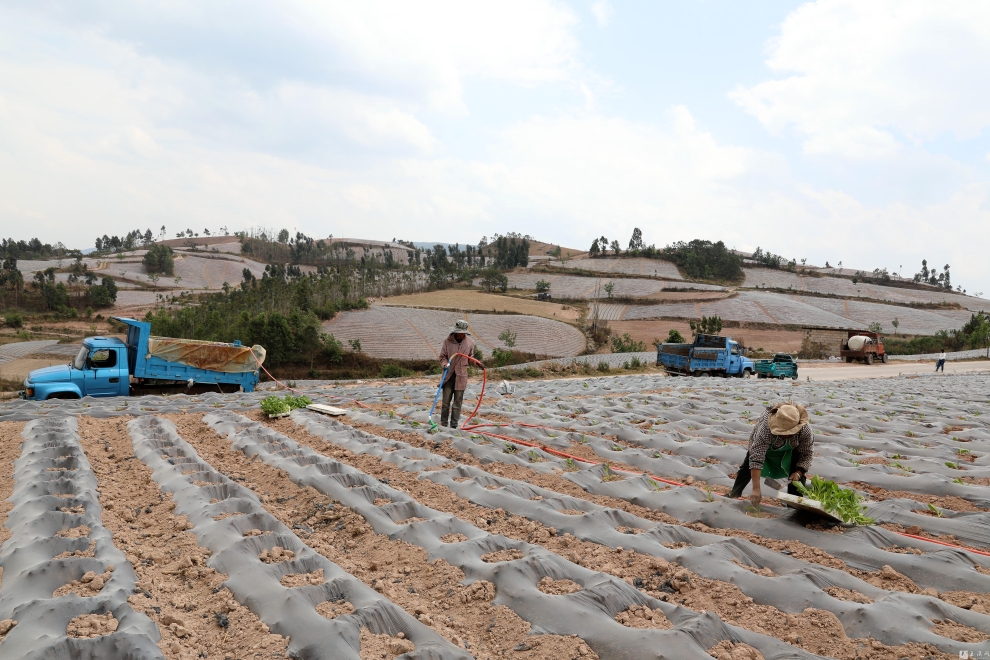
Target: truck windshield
[(79, 362)]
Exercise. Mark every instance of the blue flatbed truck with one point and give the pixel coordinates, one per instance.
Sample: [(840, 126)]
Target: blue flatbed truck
[(709, 355), (143, 364)]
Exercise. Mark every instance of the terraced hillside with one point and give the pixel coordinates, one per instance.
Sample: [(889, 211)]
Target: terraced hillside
[(417, 334), (186, 527)]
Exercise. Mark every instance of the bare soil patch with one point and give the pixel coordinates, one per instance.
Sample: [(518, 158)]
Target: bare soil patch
[(431, 592), (786, 341), (178, 590)]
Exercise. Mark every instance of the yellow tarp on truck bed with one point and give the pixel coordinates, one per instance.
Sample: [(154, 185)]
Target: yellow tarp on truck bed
[(213, 356)]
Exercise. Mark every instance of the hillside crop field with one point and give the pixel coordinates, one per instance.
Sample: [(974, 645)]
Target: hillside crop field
[(460, 299), (417, 334), (192, 527)]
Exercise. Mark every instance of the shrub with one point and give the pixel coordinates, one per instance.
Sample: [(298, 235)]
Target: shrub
[(355, 345), (492, 279), (542, 285), (626, 344), (508, 338), (394, 371), (14, 320), (673, 337), (500, 357), (603, 367)]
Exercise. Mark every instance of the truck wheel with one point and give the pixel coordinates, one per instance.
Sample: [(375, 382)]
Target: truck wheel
[(849, 359), (869, 358), (747, 374), (883, 358), (705, 374), (780, 377), (794, 377)]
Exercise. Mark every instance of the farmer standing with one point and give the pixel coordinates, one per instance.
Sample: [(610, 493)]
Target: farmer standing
[(780, 447), (941, 362), (458, 341)]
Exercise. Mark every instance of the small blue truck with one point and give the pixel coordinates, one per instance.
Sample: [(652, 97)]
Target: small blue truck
[(780, 367), (709, 355), (107, 366)]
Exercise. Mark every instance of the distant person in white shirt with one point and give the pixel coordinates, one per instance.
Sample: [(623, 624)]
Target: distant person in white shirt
[(940, 365)]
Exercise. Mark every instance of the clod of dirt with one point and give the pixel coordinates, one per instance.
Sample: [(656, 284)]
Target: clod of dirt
[(502, 555), (958, 632), (88, 585), (6, 625), (91, 625), (848, 594), (453, 538), (558, 587), (726, 650), (276, 555), (332, 610), (74, 533), (303, 579), (375, 647), (481, 590), (639, 616)]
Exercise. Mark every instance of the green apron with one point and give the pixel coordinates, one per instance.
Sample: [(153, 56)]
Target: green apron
[(777, 463)]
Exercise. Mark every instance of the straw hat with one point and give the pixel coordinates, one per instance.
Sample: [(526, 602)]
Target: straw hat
[(788, 419), (460, 327)]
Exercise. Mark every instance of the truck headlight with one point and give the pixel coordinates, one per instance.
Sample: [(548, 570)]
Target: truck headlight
[(29, 391)]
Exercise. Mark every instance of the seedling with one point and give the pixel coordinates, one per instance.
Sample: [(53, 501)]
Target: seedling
[(844, 503), (708, 494), (959, 481), (950, 464), (960, 450), (509, 448), (609, 475), (934, 509), (571, 465), (855, 450), (654, 486), (533, 456), (617, 447)]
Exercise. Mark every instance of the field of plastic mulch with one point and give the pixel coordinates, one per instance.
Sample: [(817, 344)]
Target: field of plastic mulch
[(576, 518)]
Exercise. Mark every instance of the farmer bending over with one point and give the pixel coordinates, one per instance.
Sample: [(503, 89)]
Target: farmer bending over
[(780, 447), (458, 341)]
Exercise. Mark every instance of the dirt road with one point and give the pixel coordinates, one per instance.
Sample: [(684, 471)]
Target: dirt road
[(857, 371)]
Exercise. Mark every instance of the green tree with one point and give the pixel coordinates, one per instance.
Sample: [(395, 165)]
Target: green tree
[(542, 286), (492, 279), (709, 325), (636, 242), (673, 337), (508, 338), (159, 259), (705, 260), (896, 324), (875, 327), (609, 288)]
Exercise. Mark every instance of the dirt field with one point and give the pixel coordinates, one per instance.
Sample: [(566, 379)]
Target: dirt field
[(366, 537), (483, 302)]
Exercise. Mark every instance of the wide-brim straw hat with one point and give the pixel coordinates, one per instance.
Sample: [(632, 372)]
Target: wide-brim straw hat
[(460, 327), (788, 419)]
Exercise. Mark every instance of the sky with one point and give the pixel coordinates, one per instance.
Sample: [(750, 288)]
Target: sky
[(829, 131)]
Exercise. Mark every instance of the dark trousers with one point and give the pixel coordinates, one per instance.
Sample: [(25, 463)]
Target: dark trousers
[(743, 477), (452, 400), (940, 366)]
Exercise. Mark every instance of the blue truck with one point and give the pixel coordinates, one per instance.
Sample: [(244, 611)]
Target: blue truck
[(709, 355), (143, 364)]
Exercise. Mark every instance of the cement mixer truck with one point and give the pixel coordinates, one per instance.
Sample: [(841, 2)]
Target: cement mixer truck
[(863, 347)]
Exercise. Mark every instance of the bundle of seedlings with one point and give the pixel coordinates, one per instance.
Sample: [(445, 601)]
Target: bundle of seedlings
[(843, 503)]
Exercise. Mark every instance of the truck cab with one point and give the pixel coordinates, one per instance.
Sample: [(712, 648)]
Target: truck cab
[(98, 369)]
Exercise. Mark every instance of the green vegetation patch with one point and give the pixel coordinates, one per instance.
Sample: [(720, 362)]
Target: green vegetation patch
[(841, 502)]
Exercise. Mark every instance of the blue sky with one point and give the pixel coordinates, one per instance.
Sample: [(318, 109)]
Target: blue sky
[(832, 130)]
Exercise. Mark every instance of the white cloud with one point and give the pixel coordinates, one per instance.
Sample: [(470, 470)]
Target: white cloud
[(602, 10), (860, 77)]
